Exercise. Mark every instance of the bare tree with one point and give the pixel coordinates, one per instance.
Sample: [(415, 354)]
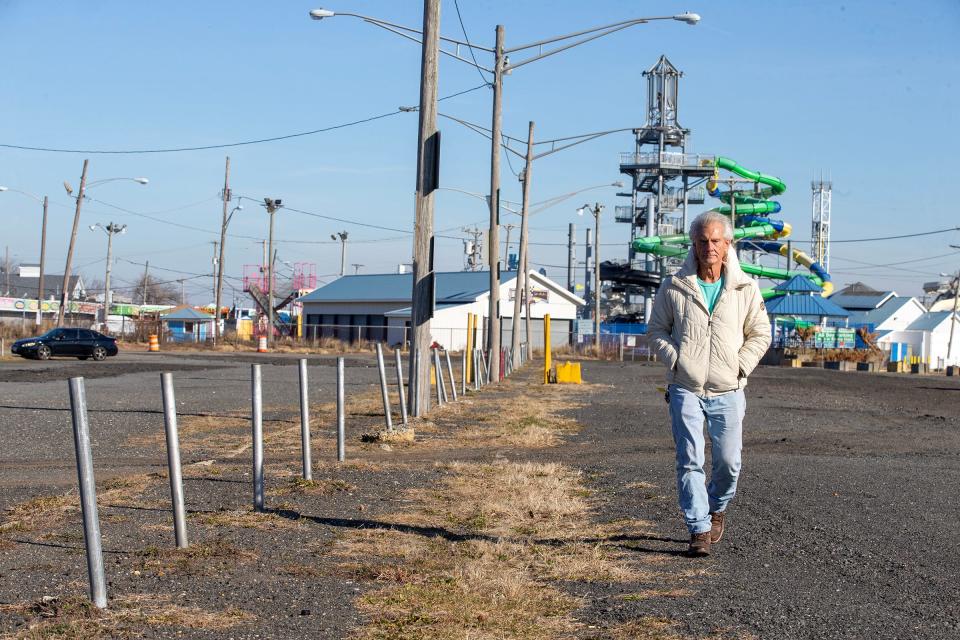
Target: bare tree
[(157, 291)]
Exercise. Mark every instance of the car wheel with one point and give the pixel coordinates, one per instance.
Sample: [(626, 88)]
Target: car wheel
[(43, 352), (99, 353), (82, 357)]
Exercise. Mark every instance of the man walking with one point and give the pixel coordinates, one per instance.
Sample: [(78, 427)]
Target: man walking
[(710, 328)]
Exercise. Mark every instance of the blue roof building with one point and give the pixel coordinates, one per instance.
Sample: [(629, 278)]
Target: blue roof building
[(185, 324)]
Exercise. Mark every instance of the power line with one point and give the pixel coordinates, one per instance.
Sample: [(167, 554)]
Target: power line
[(228, 145), (456, 5)]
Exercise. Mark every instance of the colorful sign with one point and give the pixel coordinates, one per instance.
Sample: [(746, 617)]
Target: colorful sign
[(26, 305)]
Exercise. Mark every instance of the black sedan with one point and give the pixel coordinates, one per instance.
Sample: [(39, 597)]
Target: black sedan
[(78, 343)]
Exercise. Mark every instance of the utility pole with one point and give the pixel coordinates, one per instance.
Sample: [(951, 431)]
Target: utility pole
[(428, 166), (571, 258), (223, 240), (493, 333), (521, 290), (587, 254), (506, 251), (213, 262), (272, 206), (43, 255), (356, 268), (342, 237), (597, 208), (146, 275), (65, 292), (111, 230), (6, 270), (183, 292), (472, 248)]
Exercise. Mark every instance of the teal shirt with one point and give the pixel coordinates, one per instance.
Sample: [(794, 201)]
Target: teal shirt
[(711, 291)]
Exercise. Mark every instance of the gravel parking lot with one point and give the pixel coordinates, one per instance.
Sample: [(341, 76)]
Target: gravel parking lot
[(843, 526), (123, 397)]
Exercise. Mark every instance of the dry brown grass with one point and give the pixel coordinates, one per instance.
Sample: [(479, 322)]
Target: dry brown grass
[(76, 618), (49, 511), (297, 486), (514, 529), (245, 519), (200, 558)]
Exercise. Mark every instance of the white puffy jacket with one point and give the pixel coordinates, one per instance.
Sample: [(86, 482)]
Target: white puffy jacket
[(705, 353)]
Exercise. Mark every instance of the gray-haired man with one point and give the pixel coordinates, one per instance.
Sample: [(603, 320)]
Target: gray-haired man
[(710, 328)]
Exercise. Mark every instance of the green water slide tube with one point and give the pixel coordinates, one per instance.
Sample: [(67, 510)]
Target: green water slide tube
[(657, 244), (776, 185)]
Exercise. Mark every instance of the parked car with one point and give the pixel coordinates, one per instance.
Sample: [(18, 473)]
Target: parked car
[(78, 343)]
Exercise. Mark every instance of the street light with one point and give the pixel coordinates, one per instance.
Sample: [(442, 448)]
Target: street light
[(73, 233), (595, 210), (342, 237), (111, 230), (503, 66), (43, 247)]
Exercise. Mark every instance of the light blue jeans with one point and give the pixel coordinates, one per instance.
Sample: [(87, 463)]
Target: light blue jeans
[(724, 416)]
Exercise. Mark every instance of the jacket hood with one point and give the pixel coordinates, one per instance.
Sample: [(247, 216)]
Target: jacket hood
[(733, 275)]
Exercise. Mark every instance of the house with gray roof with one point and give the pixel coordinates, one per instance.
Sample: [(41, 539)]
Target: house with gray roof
[(377, 307), (896, 313)]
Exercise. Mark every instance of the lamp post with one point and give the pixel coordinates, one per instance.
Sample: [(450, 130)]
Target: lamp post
[(65, 290), (43, 247), (111, 230), (342, 237), (595, 210), (502, 66)]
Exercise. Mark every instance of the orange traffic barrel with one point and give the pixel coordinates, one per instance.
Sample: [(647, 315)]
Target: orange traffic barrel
[(262, 345), (154, 343)]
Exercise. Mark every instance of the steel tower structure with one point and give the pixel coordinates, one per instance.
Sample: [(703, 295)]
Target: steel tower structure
[(820, 228), (665, 179)]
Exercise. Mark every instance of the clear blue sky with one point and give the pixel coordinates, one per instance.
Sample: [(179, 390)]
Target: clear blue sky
[(865, 91)]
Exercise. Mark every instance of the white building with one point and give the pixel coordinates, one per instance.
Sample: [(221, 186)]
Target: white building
[(893, 314), (377, 307), (929, 337)]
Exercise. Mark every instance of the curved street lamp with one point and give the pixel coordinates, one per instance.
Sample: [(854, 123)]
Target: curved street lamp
[(64, 293)]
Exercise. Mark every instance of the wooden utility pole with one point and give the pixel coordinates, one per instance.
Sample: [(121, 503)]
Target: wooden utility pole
[(223, 241), (65, 292), (146, 280), (6, 270), (43, 255), (493, 320), (520, 290), (428, 164), (571, 258), (272, 206)]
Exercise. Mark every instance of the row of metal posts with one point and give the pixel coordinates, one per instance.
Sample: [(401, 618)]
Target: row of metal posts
[(81, 433)]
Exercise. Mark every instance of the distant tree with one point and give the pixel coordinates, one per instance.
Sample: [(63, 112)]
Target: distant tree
[(157, 291)]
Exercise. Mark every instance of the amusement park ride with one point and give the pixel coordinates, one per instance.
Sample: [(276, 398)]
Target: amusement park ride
[(666, 180), (285, 291)]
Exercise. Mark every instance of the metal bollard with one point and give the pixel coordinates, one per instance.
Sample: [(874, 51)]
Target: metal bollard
[(487, 360), (383, 388), (463, 372), (438, 376), (88, 494), (453, 382), (173, 460), (256, 419), (305, 421), (341, 414), (476, 369), (403, 399)]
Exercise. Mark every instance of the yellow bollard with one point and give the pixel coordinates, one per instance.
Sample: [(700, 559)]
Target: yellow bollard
[(471, 318), (547, 363)]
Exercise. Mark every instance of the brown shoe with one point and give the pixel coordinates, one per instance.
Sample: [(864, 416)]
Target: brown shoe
[(716, 527), (699, 544)]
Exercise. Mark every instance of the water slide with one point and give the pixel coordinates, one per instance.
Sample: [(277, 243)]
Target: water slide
[(754, 229)]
